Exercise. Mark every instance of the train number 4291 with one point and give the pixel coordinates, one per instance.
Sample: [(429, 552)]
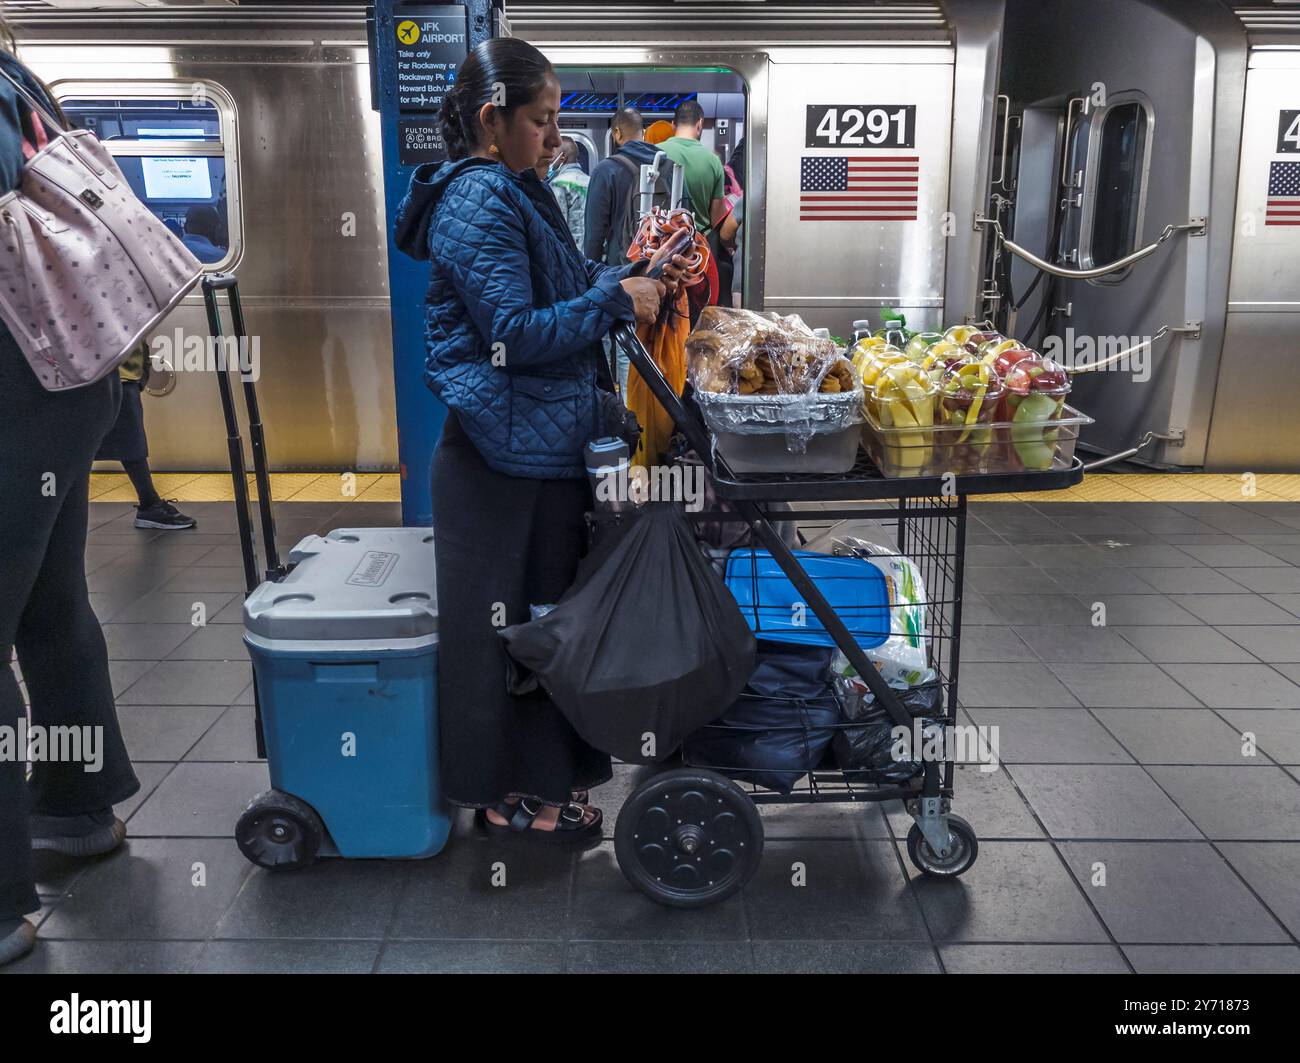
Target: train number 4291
[(861, 126)]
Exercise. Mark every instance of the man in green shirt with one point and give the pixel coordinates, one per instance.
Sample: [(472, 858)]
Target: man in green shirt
[(702, 168)]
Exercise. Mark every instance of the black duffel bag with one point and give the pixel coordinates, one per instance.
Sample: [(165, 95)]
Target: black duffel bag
[(778, 729)]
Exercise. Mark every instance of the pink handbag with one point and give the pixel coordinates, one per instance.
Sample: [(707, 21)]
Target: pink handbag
[(86, 269)]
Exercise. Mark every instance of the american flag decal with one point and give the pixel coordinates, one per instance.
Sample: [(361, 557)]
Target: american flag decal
[(1283, 194), (858, 187)]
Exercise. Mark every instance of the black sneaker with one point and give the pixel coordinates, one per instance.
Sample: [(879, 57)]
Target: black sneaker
[(91, 834), (162, 514)]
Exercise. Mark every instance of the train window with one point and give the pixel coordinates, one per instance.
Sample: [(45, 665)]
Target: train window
[(1117, 185), (175, 145)]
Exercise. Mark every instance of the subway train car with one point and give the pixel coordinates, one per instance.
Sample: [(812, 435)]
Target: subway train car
[(1019, 145), (1121, 119)]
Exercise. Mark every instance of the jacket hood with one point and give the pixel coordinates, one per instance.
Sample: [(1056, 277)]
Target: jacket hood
[(639, 151), (428, 184)]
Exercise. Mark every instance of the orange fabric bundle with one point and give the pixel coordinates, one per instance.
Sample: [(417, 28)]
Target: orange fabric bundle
[(665, 340)]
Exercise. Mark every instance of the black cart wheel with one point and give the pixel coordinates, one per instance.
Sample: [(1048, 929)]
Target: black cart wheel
[(280, 832), (688, 838), (958, 859)]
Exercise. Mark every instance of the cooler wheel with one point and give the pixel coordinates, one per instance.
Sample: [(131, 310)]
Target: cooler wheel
[(688, 838), (279, 832)]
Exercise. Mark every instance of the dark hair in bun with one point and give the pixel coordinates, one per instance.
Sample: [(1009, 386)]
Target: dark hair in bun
[(502, 68)]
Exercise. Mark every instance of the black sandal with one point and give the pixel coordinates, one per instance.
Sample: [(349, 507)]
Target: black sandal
[(571, 826)]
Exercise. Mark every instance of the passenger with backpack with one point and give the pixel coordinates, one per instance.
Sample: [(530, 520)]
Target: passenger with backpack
[(614, 201), (613, 204)]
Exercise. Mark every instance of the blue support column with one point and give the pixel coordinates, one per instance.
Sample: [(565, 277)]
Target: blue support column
[(415, 51)]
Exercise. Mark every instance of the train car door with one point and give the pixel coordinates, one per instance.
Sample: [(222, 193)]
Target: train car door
[(1258, 393)]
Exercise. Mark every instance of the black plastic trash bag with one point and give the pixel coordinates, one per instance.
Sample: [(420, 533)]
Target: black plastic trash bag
[(647, 642), (778, 729), (865, 753)]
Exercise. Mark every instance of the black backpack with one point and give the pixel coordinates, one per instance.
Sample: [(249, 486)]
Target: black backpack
[(628, 220)]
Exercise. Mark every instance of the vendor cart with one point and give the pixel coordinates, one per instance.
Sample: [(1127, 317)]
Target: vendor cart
[(690, 836)]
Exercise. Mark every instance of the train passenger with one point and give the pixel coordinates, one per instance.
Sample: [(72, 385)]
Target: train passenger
[(514, 319), (203, 233), (127, 442), (730, 234), (569, 182), (48, 440), (611, 195), (612, 202), (737, 163), (703, 169), (705, 187)]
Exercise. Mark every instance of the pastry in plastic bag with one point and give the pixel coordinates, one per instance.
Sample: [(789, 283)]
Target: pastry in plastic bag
[(741, 352)]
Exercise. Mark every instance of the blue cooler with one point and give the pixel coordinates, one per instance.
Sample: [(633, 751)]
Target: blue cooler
[(345, 653)]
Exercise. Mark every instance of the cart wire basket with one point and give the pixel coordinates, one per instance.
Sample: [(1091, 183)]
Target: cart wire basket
[(691, 835)]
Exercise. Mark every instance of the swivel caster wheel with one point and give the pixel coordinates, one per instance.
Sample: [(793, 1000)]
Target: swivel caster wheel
[(688, 838), (279, 832), (948, 863)]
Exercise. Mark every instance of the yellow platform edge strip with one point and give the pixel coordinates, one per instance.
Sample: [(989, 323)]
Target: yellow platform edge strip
[(386, 487)]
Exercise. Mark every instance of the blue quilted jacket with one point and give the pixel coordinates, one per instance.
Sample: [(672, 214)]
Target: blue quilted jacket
[(514, 314)]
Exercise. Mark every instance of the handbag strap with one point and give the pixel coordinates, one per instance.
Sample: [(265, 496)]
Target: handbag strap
[(33, 102)]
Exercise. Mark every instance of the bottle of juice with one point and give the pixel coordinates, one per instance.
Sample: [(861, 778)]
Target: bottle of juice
[(895, 331)]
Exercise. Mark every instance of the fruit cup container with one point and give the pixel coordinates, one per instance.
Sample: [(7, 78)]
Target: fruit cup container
[(1024, 446), (969, 393), (903, 400)]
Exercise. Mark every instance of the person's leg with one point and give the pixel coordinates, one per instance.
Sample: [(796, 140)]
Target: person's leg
[(17, 879), (493, 744), (48, 441), (558, 543), (58, 628), (142, 480), (153, 511), (128, 443)]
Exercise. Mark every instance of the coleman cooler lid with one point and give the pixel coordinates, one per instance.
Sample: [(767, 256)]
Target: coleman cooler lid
[(354, 584)]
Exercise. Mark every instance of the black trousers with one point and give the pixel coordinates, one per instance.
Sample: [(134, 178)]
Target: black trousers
[(502, 543), (47, 442)]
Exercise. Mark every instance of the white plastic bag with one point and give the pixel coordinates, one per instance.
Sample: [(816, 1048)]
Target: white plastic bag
[(903, 658)]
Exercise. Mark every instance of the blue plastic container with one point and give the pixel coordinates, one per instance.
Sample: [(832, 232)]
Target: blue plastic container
[(345, 651), (775, 611)]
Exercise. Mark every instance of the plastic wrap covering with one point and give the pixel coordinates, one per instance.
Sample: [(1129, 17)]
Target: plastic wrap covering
[(760, 374), (741, 352)]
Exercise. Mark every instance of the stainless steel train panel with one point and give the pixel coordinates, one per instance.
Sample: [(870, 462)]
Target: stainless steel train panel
[(309, 166), (313, 272), (316, 299), (1256, 423), (831, 272)]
